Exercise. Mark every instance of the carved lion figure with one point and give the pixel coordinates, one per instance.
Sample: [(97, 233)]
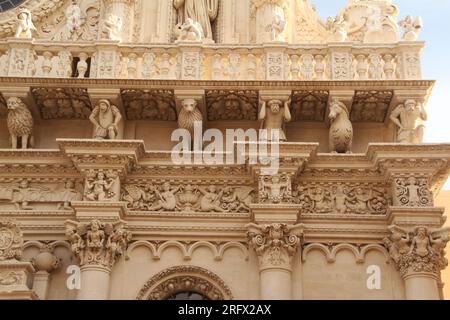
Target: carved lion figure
[(189, 115), (20, 123)]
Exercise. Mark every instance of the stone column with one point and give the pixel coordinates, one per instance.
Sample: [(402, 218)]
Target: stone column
[(275, 245), (98, 245)]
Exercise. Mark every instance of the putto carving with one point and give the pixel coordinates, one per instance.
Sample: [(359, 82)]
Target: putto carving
[(371, 106), (275, 244), (62, 103), (100, 185), (232, 105), (187, 198), (20, 124), (411, 28), (409, 118), (155, 105), (11, 240), (309, 105), (273, 116), (98, 243), (275, 188), (199, 11), (25, 25), (112, 28), (106, 119), (412, 192), (340, 198), (418, 251), (341, 129)]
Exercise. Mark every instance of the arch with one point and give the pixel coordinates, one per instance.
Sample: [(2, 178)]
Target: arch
[(185, 278), (208, 245), (376, 247), (230, 245), (175, 244), (317, 246), (137, 244), (346, 246)]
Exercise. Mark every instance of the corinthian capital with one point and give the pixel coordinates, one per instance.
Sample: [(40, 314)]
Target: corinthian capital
[(418, 251), (275, 244), (98, 243)]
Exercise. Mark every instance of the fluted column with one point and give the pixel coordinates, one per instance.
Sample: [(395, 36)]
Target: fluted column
[(98, 245), (275, 245)]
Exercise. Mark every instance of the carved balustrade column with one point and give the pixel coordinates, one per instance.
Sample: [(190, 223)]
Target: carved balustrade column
[(98, 244), (14, 274), (275, 245), (123, 10)]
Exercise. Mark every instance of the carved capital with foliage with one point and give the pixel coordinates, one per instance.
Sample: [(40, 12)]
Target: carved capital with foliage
[(275, 244)]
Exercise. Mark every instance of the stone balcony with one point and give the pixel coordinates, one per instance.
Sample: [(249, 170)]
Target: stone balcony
[(197, 61)]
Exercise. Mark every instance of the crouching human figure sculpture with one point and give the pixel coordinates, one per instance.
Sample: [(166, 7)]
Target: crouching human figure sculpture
[(409, 118), (106, 118)]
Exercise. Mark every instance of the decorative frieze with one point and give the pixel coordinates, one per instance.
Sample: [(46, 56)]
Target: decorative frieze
[(187, 198), (309, 105), (342, 198), (155, 105), (410, 191), (371, 106), (232, 105), (275, 188), (11, 240)]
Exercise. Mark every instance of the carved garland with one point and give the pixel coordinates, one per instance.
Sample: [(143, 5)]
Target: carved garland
[(185, 278)]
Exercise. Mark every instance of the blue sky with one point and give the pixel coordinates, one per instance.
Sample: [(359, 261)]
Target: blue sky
[(436, 57)]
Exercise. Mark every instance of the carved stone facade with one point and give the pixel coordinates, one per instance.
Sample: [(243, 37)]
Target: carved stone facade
[(96, 96)]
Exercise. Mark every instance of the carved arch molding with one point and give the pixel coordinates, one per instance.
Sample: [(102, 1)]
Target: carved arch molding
[(185, 278)]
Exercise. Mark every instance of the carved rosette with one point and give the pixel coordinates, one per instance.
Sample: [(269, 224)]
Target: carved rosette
[(418, 251), (11, 240), (275, 244), (97, 243)]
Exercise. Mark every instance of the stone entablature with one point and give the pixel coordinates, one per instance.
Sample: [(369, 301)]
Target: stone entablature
[(103, 60)]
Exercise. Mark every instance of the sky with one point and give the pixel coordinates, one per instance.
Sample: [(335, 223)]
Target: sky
[(435, 60)]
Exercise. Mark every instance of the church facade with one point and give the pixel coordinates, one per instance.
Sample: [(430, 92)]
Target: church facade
[(218, 150)]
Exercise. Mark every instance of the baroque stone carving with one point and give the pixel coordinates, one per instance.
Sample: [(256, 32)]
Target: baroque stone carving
[(24, 196), (341, 129), (273, 116), (25, 25), (46, 260), (189, 115), (309, 105), (411, 28), (187, 198), (338, 29), (100, 185), (106, 118), (201, 11), (418, 251), (20, 124), (155, 105), (275, 188), (190, 30), (98, 243), (271, 19), (409, 118), (275, 244), (232, 105), (62, 103), (412, 192), (185, 278), (371, 106), (340, 198), (11, 241)]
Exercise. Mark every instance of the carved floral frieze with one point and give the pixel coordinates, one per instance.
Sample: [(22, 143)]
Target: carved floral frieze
[(188, 198), (342, 198), (232, 105), (11, 240), (62, 103), (157, 105), (309, 105), (412, 192), (371, 106)]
